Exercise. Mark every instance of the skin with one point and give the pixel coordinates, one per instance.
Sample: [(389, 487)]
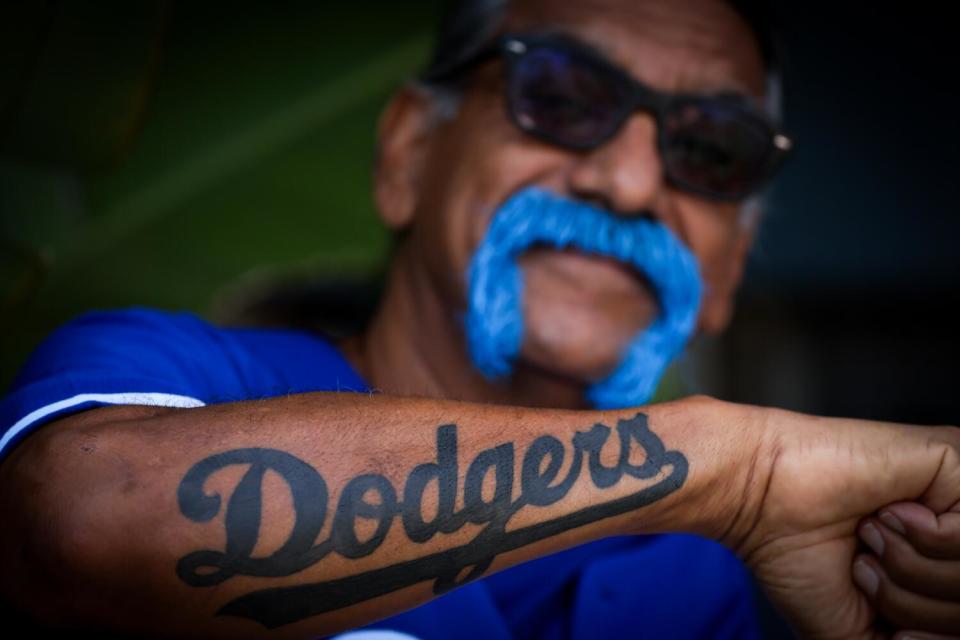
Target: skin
[(102, 514), (580, 311)]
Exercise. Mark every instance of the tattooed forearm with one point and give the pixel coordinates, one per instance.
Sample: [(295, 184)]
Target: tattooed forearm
[(373, 497)]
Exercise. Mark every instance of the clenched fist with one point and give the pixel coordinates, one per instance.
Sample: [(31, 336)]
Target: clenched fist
[(857, 533)]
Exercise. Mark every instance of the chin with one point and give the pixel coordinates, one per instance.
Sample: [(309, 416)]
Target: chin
[(578, 340), (585, 360)]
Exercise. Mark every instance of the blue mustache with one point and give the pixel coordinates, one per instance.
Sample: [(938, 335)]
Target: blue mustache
[(534, 216)]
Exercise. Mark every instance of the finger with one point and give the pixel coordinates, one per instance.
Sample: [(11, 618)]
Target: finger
[(939, 579), (933, 536), (905, 609)]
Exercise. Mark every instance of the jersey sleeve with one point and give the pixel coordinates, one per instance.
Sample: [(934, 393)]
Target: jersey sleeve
[(132, 357)]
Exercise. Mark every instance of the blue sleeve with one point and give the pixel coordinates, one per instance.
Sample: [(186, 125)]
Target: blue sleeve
[(134, 357)]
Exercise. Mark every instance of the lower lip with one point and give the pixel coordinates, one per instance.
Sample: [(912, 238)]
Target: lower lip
[(592, 269)]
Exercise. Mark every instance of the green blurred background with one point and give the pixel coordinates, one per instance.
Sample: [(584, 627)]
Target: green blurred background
[(171, 154)]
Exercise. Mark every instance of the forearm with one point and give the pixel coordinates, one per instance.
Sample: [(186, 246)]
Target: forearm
[(336, 510)]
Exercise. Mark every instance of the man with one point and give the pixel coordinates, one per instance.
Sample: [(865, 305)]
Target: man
[(554, 255)]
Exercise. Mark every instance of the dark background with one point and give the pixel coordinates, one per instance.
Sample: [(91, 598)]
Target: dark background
[(848, 308), (200, 155)]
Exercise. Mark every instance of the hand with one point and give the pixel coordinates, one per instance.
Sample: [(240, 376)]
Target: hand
[(912, 578), (824, 476)]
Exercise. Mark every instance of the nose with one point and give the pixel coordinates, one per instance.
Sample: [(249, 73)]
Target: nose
[(625, 174)]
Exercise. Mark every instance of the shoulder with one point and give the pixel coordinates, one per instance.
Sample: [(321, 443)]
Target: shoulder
[(147, 357), (95, 336)]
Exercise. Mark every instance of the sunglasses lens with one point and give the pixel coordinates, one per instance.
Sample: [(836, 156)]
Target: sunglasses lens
[(563, 99), (716, 148)]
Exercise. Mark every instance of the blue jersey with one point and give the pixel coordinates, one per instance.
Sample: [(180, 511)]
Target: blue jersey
[(671, 586)]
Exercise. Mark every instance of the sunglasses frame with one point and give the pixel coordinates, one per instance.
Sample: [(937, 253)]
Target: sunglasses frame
[(640, 97)]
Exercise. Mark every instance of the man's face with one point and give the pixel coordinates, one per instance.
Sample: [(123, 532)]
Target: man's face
[(579, 311)]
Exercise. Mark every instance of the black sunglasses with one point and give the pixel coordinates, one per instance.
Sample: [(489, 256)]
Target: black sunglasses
[(562, 92)]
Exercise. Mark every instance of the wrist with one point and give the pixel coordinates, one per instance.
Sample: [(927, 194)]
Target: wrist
[(730, 454)]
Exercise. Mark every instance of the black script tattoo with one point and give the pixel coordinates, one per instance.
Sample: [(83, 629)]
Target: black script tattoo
[(371, 497)]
